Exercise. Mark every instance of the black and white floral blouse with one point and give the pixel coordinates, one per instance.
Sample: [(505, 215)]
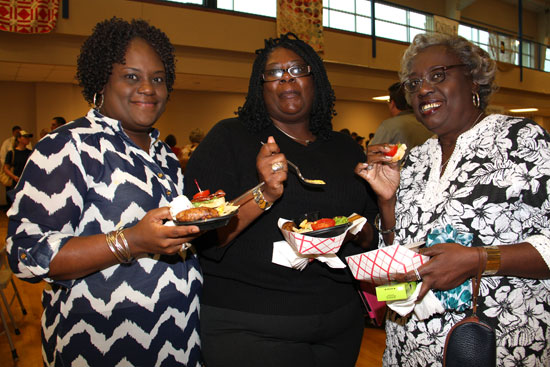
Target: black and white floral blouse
[(496, 186)]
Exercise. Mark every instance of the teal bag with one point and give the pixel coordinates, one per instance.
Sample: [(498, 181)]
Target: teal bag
[(458, 298)]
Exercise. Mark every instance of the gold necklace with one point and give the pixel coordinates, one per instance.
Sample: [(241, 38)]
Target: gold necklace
[(292, 137), (444, 164)]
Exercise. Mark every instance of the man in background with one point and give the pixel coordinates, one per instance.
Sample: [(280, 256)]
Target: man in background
[(402, 127), (56, 122)]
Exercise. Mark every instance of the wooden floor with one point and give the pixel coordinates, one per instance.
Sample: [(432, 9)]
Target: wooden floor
[(28, 344)]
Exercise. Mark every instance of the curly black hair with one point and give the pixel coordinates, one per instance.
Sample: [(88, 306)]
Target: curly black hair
[(108, 44), (254, 113)]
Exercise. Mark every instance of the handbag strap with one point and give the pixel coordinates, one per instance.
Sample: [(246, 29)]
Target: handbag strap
[(482, 262)]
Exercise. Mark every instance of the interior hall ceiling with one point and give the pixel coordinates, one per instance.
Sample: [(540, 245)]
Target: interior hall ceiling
[(48, 73), (532, 5)]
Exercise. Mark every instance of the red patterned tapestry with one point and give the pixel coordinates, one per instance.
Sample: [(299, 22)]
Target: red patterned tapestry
[(28, 16), (304, 18)]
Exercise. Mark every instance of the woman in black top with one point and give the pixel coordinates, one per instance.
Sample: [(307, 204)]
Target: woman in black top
[(16, 159), (255, 312)]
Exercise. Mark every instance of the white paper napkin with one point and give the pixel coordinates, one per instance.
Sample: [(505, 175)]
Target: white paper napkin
[(286, 255), (429, 305), (179, 203)]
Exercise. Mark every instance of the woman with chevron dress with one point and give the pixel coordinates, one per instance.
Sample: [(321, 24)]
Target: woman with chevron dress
[(89, 211)]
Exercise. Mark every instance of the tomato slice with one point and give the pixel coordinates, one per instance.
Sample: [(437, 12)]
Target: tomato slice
[(323, 223), (202, 194), (392, 151)]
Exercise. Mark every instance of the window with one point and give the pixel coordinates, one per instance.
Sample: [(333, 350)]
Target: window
[(528, 54), (391, 22), (267, 8), (394, 23), (477, 36), (198, 2)]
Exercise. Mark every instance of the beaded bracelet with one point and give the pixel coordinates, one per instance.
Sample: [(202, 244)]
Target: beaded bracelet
[(378, 226)]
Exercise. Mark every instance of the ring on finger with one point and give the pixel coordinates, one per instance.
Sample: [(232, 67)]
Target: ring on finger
[(370, 166), (418, 277), (277, 166)]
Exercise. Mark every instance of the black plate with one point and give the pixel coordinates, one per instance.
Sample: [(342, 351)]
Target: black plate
[(207, 224), (328, 232)]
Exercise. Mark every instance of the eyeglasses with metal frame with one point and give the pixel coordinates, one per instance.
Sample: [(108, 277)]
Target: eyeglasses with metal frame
[(433, 77), (296, 71)]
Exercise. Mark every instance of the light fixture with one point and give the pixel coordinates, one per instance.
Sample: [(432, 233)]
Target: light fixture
[(382, 98), (524, 110)]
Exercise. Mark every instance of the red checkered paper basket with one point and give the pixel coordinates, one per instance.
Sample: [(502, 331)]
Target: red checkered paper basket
[(307, 245), (379, 266)]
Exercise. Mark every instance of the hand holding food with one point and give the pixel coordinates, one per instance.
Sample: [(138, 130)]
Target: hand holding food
[(272, 169), (382, 170)]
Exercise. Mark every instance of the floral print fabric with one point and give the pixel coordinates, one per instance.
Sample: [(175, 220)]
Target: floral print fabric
[(496, 187)]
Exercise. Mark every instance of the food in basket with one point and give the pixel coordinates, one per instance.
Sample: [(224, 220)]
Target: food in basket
[(308, 226)]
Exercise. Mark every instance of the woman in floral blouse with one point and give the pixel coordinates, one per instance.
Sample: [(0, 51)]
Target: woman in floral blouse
[(485, 175)]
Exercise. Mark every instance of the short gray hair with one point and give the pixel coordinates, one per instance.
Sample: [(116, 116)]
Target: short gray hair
[(480, 65)]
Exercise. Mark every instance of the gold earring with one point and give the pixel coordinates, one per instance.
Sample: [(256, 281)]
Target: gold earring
[(476, 100)]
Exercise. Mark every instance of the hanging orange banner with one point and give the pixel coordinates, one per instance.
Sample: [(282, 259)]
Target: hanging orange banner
[(304, 18), (28, 16)]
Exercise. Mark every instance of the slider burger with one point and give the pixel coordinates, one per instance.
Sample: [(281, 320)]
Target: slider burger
[(206, 206), (396, 152)]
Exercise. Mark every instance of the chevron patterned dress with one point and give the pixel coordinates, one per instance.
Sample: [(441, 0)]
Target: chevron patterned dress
[(87, 178)]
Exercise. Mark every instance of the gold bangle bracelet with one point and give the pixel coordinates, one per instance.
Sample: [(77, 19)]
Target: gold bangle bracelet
[(493, 260), (127, 255), (121, 250), (111, 242)]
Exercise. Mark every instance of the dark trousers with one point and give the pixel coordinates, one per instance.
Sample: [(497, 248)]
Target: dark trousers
[(239, 339)]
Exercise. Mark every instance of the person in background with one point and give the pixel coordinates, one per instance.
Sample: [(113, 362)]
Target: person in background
[(9, 143), (371, 135), (486, 176), (43, 133), (172, 143), (360, 140), (56, 122), (195, 137), (345, 131), (256, 312), (402, 127), (16, 158), (88, 216)]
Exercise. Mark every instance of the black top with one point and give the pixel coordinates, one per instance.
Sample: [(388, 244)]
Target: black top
[(241, 275), (18, 161)]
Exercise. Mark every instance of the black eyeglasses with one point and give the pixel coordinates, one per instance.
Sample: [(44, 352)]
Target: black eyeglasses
[(433, 77), (296, 71)]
